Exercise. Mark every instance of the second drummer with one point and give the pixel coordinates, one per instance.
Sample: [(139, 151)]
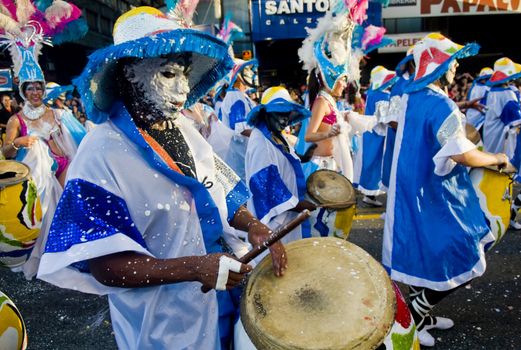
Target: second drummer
[(273, 170)]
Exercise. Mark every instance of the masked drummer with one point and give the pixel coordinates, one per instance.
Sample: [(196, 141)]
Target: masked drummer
[(435, 233), (273, 170), (503, 118), (147, 202)]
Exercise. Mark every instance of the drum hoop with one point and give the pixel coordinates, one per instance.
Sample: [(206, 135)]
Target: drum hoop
[(335, 205), (259, 342), (15, 181)]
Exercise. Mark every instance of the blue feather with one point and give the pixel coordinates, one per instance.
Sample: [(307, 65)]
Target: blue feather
[(171, 4), (74, 31)]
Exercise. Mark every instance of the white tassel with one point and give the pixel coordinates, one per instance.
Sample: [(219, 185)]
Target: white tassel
[(24, 10), (57, 11)]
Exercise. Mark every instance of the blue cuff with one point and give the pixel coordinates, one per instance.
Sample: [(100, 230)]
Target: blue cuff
[(235, 198)]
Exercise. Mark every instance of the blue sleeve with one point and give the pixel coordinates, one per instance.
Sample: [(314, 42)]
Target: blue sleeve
[(236, 198), (86, 213), (511, 112), (268, 190), (237, 113)]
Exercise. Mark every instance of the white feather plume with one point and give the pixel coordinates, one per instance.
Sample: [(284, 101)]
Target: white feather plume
[(24, 10), (8, 24), (59, 9)]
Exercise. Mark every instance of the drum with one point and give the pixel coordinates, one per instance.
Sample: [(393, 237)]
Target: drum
[(336, 195), (403, 334), (13, 335), (333, 295), (20, 213), (494, 190), (331, 190)]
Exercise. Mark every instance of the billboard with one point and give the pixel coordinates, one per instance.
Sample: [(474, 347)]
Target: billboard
[(288, 19), (402, 42), (442, 8)]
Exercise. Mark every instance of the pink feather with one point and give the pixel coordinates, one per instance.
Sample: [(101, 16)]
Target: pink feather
[(188, 8), (372, 35), (358, 11)]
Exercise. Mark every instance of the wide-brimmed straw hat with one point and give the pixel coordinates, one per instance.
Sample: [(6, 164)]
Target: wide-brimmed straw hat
[(505, 70), (433, 56), (145, 32), (276, 99)]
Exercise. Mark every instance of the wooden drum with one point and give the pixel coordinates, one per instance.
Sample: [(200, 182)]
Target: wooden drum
[(333, 295), (20, 213)]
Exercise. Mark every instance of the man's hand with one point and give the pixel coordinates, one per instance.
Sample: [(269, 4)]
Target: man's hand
[(212, 265), (258, 233), (473, 104), (303, 205), (502, 160)]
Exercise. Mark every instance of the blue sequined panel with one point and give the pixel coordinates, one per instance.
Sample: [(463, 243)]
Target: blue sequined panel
[(235, 198), (237, 113), (87, 212), (268, 190)]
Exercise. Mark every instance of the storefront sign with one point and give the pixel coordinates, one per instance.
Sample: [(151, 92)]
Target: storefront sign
[(6, 81), (287, 19), (402, 42), (438, 8)]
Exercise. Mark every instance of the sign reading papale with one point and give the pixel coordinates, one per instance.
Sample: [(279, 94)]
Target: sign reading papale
[(437, 8)]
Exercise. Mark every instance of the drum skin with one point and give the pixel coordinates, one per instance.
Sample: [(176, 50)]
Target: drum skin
[(331, 190), (333, 295), (13, 335), (494, 190), (20, 214)]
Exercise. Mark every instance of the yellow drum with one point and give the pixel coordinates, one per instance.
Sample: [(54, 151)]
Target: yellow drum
[(335, 193), (20, 213), (333, 296), (494, 190), (13, 335)]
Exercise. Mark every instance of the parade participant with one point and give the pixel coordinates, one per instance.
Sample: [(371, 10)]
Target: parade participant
[(236, 103), (56, 95), (273, 171), (405, 73), (503, 119), (114, 232), (478, 90), (326, 55), (435, 233), (368, 164), (45, 139), (503, 114)]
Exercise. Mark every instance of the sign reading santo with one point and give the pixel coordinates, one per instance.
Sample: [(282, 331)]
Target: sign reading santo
[(284, 8), (432, 8)]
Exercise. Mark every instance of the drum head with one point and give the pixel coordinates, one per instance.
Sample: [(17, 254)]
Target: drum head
[(333, 296), (12, 172), (331, 189)]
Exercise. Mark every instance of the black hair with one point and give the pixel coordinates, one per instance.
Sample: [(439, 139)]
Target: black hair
[(314, 85)]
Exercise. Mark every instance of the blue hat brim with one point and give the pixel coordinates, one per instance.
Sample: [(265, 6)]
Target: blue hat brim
[(210, 62), (503, 81), (385, 42), (466, 51), (54, 93), (400, 67), (280, 105), (253, 62)]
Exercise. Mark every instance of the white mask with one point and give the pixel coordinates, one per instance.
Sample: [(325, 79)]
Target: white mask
[(163, 82)]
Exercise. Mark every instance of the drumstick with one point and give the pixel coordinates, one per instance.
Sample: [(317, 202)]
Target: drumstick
[(279, 233)]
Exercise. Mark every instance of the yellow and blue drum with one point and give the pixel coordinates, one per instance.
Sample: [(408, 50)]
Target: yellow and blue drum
[(494, 190), (13, 335), (20, 213)]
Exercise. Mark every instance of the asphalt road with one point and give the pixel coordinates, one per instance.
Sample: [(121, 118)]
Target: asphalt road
[(487, 313)]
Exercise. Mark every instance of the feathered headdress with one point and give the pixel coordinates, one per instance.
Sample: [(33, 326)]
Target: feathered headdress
[(328, 45), (182, 11), (229, 31), (26, 25)]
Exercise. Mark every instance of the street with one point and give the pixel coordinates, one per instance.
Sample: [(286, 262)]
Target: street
[(487, 313)]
